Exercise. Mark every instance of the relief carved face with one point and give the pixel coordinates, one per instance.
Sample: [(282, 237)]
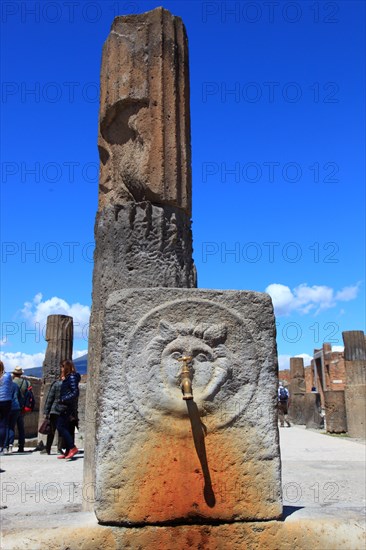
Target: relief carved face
[(223, 366), (208, 371), (210, 366)]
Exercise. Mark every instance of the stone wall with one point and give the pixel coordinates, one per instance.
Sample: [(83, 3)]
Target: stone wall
[(334, 370)]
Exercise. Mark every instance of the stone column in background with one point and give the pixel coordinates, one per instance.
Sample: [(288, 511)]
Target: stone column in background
[(59, 338), (355, 390), (335, 412), (297, 390), (143, 224), (312, 411)]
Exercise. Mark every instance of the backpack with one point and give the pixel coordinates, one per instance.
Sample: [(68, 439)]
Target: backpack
[(28, 402), (283, 394)]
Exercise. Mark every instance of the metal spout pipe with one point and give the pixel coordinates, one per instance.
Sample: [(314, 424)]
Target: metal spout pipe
[(186, 377)]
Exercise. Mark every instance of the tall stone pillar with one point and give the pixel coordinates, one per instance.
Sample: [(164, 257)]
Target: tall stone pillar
[(355, 390), (143, 224), (59, 338), (297, 390)]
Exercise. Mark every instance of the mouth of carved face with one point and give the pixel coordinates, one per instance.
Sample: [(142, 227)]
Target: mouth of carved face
[(207, 371)]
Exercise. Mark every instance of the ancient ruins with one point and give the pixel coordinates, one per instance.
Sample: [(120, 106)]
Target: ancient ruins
[(331, 392), (182, 443)]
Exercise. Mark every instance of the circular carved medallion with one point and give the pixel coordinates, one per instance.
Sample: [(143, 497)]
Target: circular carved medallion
[(223, 365)]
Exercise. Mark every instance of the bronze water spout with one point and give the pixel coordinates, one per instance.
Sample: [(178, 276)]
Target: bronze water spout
[(186, 377)]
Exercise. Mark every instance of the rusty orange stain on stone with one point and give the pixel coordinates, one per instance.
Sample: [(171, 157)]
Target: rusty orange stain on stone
[(170, 482)]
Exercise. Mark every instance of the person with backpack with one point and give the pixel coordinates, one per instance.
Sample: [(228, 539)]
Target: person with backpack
[(283, 400), (6, 385), (23, 385), (68, 407)]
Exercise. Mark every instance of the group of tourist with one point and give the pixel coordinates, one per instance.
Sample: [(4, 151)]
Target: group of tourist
[(12, 391), (61, 410)]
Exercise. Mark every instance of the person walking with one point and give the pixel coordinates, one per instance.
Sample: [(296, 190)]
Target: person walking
[(68, 406), (283, 400), (51, 411), (23, 386), (13, 417), (6, 386)]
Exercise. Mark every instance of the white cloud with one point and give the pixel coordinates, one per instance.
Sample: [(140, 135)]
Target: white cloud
[(284, 362), (282, 298), (19, 359), (338, 348), (347, 293), (37, 311), (305, 299), (28, 361), (79, 353)]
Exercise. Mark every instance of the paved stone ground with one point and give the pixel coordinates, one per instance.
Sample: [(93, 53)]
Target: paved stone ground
[(323, 477), (322, 474)]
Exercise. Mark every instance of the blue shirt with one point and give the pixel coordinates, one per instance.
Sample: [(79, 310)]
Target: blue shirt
[(6, 387)]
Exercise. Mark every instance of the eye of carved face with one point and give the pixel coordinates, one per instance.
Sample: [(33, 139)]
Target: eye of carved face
[(197, 355), (202, 357), (177, 354)]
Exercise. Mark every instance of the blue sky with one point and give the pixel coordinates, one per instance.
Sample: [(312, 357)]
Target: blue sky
[(278, 162)]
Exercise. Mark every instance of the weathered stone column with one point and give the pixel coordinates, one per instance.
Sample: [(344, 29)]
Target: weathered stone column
[(59, 338), (355, 390), (143, 226), (297, 390), (312, 410), (335, 412)]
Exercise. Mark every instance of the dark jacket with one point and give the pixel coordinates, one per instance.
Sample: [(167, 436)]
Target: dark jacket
[(15, 398), (69, 394), (52, 405), (23, 384)]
